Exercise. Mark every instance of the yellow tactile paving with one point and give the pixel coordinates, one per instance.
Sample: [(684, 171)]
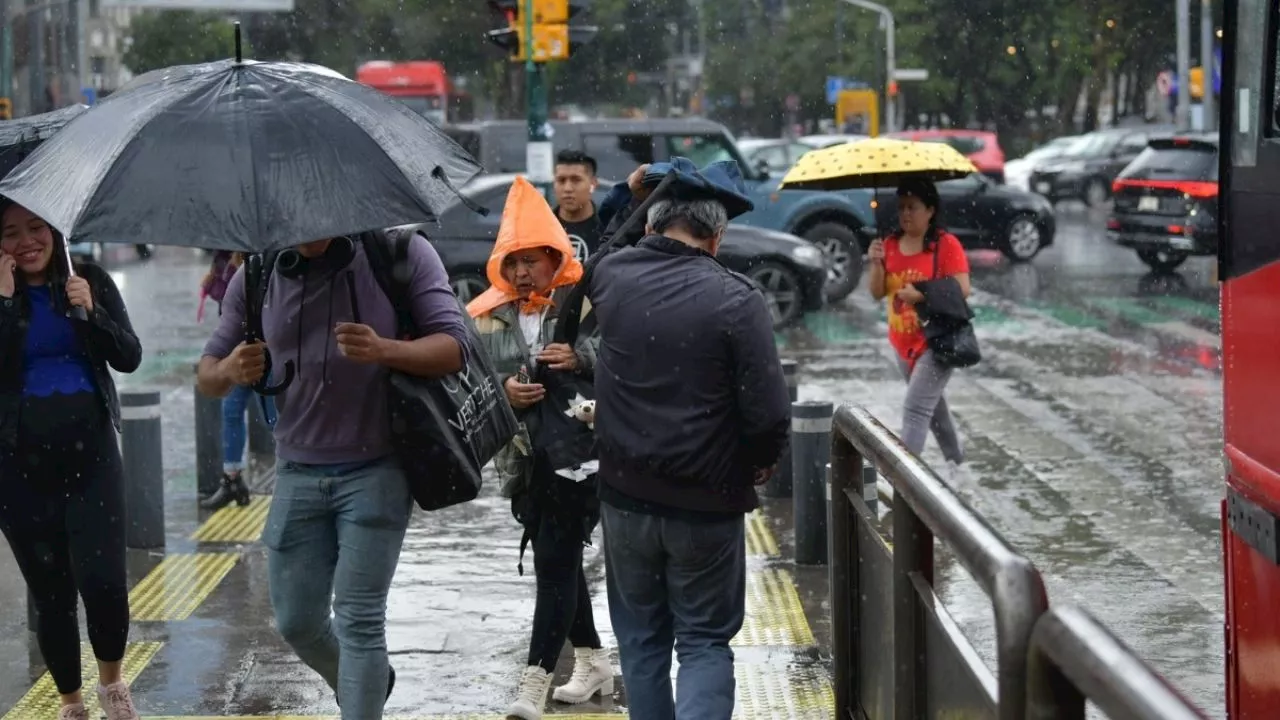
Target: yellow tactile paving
[(774, 613), (760, 539), (176, 587), (41, 701), (235, 524), (799, 692)]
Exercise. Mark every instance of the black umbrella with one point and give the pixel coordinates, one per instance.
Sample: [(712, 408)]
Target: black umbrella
[(240, 155)]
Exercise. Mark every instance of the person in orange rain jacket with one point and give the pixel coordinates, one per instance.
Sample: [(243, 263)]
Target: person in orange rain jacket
[(531, 271)]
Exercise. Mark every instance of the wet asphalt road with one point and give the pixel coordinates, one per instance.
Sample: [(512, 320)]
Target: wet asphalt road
[(1093, 430)]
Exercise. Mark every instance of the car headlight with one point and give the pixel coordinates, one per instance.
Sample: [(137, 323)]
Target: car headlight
[(808, 255)]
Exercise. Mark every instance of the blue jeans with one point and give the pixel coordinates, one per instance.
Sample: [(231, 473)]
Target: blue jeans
[(674, 582), (234, 426), (333, 535)]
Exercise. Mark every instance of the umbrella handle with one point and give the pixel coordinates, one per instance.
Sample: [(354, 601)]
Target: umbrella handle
[(77, 312), (263, 388)]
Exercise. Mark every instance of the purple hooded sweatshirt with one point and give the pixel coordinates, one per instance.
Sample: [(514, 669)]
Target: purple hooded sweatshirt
[(335, 411)]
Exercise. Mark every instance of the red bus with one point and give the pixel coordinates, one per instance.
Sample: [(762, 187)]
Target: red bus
[(423, 85), (1249, 270)]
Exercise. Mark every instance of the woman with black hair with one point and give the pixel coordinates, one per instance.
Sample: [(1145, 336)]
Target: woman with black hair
[(62, 506), (917, 252)]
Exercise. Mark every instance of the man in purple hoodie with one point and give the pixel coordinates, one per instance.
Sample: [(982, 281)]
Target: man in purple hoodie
[(341, 505)]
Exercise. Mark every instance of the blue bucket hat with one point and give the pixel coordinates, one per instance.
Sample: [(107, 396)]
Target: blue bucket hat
[(718, 181)]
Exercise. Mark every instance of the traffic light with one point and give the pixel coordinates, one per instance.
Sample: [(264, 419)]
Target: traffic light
[(553, 37), (6, 108)]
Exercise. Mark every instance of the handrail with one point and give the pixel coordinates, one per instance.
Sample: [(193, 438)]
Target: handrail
[(1008, 578), (1074, 658)]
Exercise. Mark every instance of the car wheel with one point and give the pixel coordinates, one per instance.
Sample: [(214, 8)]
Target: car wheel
[(840, 245), (1023, 240), (782, 293), (144, 251), (1162, 260), (1096, 193), (468, 285)]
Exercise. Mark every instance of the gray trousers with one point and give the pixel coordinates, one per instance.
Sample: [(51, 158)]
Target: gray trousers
[(926, 409)]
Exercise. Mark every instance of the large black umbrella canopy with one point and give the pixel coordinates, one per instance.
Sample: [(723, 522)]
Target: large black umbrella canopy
[(22, 135), (248, 156)]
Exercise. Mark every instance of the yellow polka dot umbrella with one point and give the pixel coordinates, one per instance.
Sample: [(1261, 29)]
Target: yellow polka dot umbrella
[(876, 163)]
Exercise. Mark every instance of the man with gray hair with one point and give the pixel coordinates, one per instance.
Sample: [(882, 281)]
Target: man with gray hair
[(691, 413)]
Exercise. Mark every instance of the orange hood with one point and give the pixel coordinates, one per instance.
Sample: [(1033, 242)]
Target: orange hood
[(527, 223)]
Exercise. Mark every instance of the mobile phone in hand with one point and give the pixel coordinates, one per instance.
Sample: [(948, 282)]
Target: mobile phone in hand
[(522, 377)]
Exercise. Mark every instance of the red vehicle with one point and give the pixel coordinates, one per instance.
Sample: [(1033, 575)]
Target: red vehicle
[(422, 85), (1249, 270), (982, 147)]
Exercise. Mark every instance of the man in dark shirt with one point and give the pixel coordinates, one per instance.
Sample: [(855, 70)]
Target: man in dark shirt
[(575, 181), (691, 413)]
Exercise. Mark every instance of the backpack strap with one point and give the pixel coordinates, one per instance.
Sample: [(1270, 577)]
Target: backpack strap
[(388, 255)]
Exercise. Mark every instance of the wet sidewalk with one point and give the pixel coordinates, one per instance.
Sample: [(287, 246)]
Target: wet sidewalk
[(203, 643)]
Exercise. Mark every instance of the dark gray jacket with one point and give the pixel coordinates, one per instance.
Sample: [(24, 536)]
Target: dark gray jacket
[(690, 398)]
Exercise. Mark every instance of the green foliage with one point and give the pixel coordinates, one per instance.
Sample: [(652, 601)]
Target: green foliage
[(178, 37)]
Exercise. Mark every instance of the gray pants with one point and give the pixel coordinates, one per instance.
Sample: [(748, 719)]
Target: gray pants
[(926, 409)]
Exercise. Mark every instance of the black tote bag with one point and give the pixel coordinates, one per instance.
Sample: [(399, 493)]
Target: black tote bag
[(950, 338), (444, 430)]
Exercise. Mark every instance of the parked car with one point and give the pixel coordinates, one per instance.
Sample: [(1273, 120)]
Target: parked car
[(1166, 201), (772, 156), (790, 271), (826, 141), (841, 224), (1017, 172), (984, 214), (1087, 168), (980, 146)]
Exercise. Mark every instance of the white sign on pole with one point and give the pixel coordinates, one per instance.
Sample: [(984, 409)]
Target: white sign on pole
[(910, 74), (539, 163), (213, 5)]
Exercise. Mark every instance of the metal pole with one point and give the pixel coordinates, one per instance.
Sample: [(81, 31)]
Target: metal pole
[(779, 486), (538, 161), (208, 412), (810, 456), (890, 111), (1183, 113), (144, 474), (35, 61), (1206, 64), (842, 571)]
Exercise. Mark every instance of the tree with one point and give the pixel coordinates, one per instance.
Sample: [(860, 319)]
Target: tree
[(178, 37)]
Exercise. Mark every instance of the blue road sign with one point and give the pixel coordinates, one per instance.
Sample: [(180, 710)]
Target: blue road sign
[(834, 86)]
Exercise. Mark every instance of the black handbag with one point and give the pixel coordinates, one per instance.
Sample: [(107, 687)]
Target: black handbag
[(951, 339), (444, 430)]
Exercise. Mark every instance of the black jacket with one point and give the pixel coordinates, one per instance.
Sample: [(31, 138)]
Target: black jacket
[(108, 339), (690, 398)]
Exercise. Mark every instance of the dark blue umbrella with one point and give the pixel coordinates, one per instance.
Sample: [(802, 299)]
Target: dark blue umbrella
[(240, 155)]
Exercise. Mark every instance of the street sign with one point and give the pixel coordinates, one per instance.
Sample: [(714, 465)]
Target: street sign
[(911, 74), (834, 86)]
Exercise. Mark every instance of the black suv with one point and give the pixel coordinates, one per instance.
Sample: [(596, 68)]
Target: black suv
[(1086, 169), (1166, 201)]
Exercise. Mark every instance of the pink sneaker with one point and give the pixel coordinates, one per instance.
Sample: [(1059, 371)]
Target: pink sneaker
[(117, 702), (73, 712)]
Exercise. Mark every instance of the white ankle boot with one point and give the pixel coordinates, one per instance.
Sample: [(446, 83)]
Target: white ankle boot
[(592, 674), (532, 698)]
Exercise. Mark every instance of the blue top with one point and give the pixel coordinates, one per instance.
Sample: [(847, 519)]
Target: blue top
[(53, 359)]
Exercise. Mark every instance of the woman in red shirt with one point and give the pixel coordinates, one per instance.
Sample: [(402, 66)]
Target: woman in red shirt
[(904, 258)]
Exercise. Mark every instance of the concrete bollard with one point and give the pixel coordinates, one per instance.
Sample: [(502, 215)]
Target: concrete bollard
[(208, 444), (140, 442), (811, 489), (262, 439), (779, 486)]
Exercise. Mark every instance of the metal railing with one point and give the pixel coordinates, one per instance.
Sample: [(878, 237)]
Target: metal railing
[(919, 664)]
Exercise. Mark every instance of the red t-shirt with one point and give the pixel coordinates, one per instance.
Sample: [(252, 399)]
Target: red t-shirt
[(900, 271)]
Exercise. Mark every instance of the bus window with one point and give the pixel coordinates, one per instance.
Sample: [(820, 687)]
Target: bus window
[(1251, 92)]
